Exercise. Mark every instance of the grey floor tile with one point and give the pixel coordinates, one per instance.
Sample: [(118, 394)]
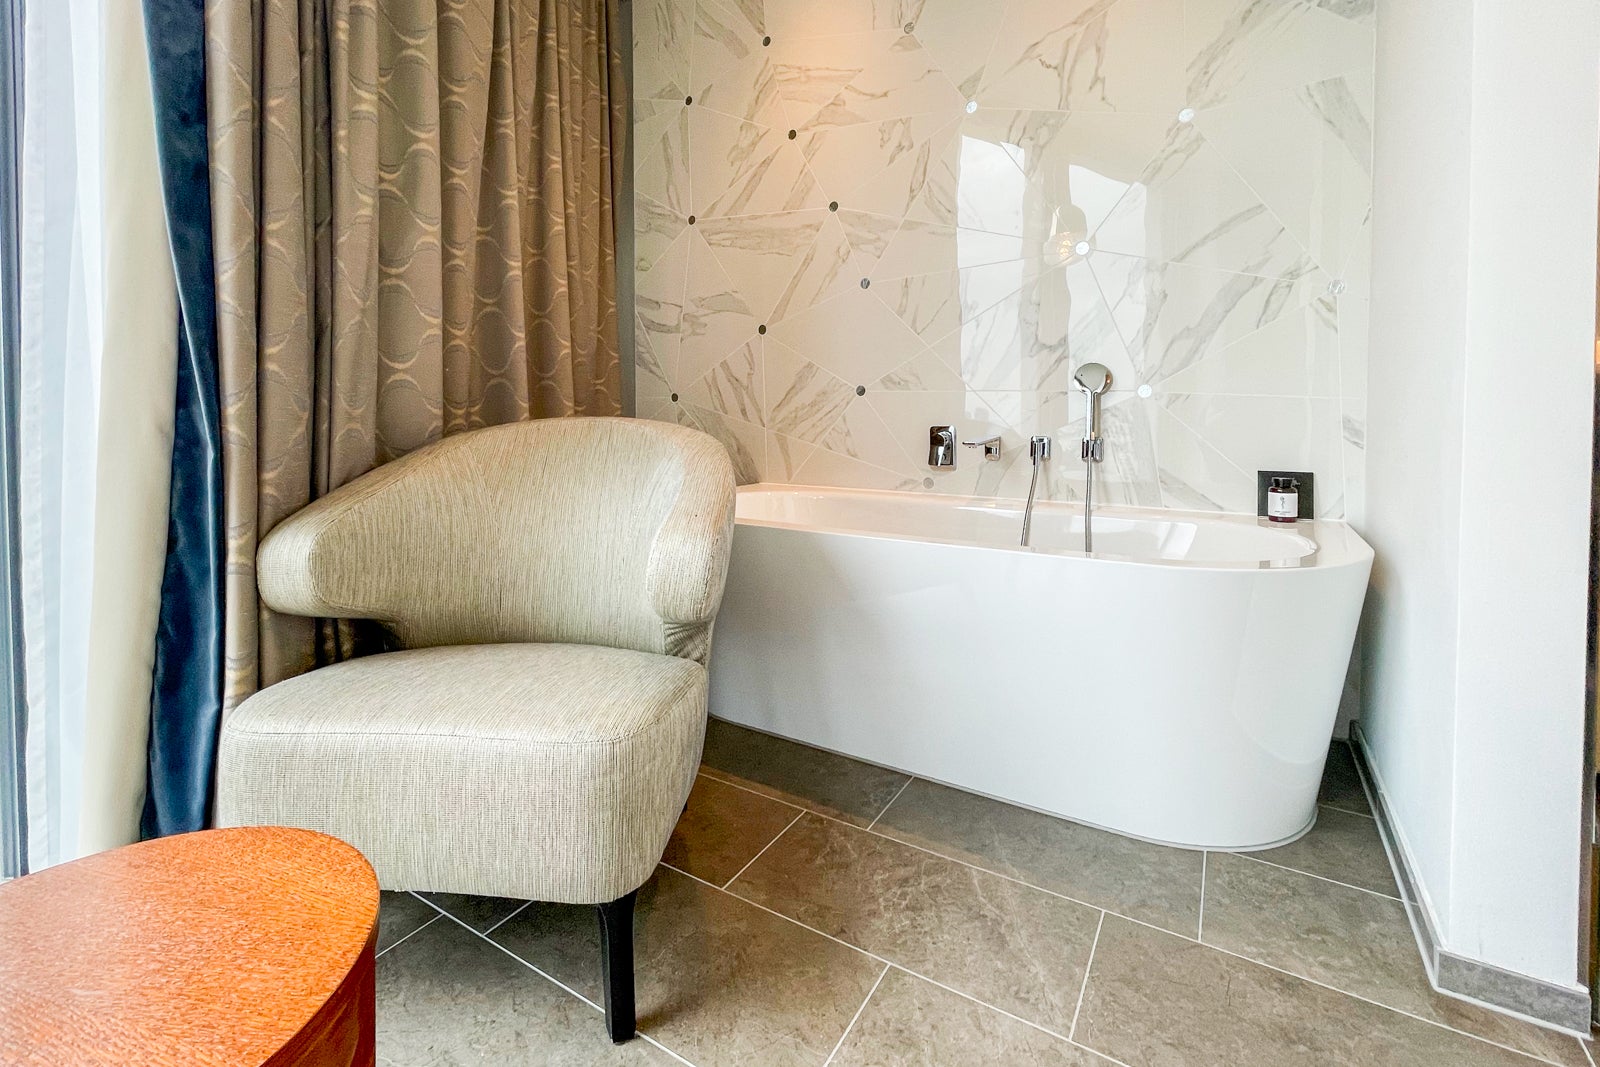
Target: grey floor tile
[(400, 914), (911, 1021), (723, 829), (1148, 882), (719, 981), (480, 913), (1341, 846), (1154, 998), (1010, 945), (1351, 940), (1341, 784), (447, 997), (798, 774)]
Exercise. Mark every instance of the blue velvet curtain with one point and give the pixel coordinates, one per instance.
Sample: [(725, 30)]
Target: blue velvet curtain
[(186, 701)]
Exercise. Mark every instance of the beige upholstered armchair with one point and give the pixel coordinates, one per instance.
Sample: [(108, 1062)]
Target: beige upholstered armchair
[(552, 586)]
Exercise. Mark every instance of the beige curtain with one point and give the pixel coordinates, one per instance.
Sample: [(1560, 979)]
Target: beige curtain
[(414, 208)]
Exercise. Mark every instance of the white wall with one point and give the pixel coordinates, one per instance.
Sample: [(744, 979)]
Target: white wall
[(1479, 438)]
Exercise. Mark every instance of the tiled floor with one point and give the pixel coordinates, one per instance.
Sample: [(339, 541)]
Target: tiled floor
[(814, 910)]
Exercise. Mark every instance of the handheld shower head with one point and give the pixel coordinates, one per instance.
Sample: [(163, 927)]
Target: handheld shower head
[(1094, 379)]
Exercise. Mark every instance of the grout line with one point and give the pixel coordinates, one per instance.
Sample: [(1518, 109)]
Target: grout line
[(713, 776), (1357, 996), (889, 805), (1349, 811), (1205, 863), (1587, 1051), (547, 976), (852, 1023), (758, 855), (408, 937), (1321, 878), (501, 922), (1084, 989)]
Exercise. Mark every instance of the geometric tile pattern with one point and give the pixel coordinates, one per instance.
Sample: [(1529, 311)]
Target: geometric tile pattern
[(816, 911), (860, 218)]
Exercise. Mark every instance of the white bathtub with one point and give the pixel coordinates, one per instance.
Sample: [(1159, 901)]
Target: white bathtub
[(1179, 685)]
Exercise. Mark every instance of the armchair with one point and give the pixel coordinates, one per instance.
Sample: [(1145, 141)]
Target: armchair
[(552, 586)]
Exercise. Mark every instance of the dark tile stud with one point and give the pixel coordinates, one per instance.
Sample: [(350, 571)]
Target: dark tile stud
[(762, 328), (688, 100), (866, 283), (909, 27), (833, 205), (674, 398), (792, 134), (861, 390), (765, 41), (691, 220)]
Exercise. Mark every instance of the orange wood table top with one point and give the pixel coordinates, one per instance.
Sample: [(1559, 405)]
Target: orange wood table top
[(249, 946)]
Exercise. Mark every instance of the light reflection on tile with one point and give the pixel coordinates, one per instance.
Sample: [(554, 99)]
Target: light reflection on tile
[(1228, 249)]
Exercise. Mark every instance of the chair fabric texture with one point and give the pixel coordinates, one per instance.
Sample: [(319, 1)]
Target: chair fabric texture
[(552, 587)]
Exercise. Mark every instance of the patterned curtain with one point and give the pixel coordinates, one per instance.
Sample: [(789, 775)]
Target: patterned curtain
[(415, 230)]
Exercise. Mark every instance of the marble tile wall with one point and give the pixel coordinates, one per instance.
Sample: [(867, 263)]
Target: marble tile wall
[(859, 218)]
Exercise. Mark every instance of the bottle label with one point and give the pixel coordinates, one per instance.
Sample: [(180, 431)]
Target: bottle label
[(1283, 505)]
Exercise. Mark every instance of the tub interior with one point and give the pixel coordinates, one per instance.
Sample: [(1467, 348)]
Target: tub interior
[(1119, 532)]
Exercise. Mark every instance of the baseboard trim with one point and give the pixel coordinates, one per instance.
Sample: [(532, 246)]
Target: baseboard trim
[(1451, 974)]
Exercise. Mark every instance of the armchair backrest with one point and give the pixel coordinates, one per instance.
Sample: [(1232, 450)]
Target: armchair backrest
[(589, 531)]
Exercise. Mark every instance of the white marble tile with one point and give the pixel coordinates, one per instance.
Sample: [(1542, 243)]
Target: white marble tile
[(829, 267), (655, 228), (660, 158), (650, 387), (823, 467), (923, 372), (1033, 338), (762, 252), (959, 35), (1194, 475), (1264, 433), (899, 81), (868, 235), (746, 443), (811, 71), (733, 388), (790, 19), (785, 456), (803, 400), (1088, 55), (1240, 48), (879, 167), (1128, 474), (917, 248), (744, 169), (1295, 354), (854, 335), (725, 36), (1190, 206), (716, 319), (1354, 319), (861, 434), (661, 31), (1353, 432), (1078, 166), (658, 301), (1171, 315), (925, 177), (1307, 154)]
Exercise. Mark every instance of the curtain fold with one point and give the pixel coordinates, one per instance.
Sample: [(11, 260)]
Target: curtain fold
[(96, 409), (186, 701), (413, 211)]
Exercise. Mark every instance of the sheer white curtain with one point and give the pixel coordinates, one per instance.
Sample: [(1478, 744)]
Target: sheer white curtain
[(99, 328)]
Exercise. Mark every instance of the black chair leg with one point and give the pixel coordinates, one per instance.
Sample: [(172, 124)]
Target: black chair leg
[(616, 962)]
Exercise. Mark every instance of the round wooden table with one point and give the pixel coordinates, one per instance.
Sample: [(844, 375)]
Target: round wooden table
[(250, 946)]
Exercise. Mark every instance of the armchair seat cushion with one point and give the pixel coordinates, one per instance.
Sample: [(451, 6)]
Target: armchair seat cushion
[(542, 771)]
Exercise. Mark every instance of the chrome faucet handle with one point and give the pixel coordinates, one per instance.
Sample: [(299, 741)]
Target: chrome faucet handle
[(941, 446), (1038, 448), (990, 446)]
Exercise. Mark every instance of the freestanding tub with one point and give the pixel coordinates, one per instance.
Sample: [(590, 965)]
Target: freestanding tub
[(1179, 685)]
